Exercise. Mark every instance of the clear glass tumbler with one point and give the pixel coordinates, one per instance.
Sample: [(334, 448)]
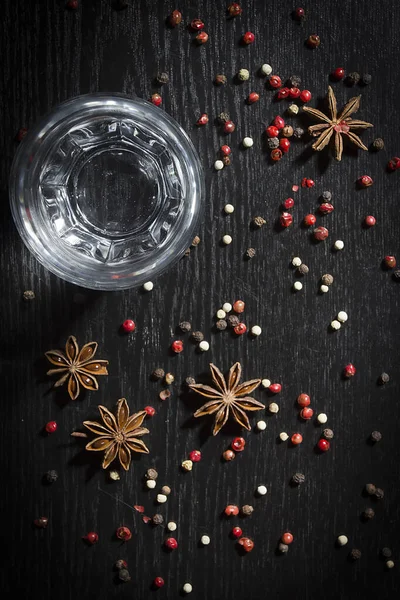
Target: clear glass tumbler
[(106, 191)]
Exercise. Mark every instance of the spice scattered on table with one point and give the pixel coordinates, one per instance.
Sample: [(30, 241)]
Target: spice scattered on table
[(28, 295), (91, 538)]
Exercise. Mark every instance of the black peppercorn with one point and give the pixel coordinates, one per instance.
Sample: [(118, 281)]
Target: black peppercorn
[(258, 222), (157, 520), (184, 326), (303, 269), (221, 324), (232, 320), (352, 78), (162, 78), (378, 144), (328, 434), (224, 117), (384, 378), (379, 494), (51, 476), (298, 478), (355, 554), (366, 79), (326, 196), (283, 548), (298, 132), (151, 474), (368, 514), (166, 490), (327, 279), (29, 295), (386, 552), (197, 336), (250, 253), (123, 574), (294, 81), (376, 436), (220, 79), (273, 143), (247, 510), (190, 381), (158, 373), (370, 489)]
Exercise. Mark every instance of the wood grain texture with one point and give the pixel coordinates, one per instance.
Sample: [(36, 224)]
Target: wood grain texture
[(50, 54)]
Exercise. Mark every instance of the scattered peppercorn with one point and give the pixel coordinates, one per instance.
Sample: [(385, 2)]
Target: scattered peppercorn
[(21, 133), (294, 81), (379, 494), (326, 208), (234, 9), (151, 474), (184, 326), (51, 476), (41, 522), (287, 131), (355, 554), (378, 144), (91, 538), (166, 490), (298, 478), (123, 533), (202, 120), (164, 395), (169, 378), (29, 295), (323, 445), (72, 4), (366, 79), (236, 532), (156, 99), (390, 262), (338, 73), (386, 552), (114, 475), (352, 78), (128, 326), (376, 436), (197, 336), (202, 37), (228, 455), (303, 269), (123, 575), (121, 564), (328, 434), (384, 378), (157, 520), (220, 79), (258, 222), (171, 543), (320, 233), (327, 279), (232, 320), (349, 371), (246, 543), (51, 427), (313, 41), (187, 465), (394, 164), (247, 510), (365, 181), (177, 346), (238, 444), (298, 132), (248, 38), (223, 117), (162, 78), (175, 18), (221, 324), (370, 489), (368, 514), (158, 582), (283, 548), (243, 75), (190, 381), (250, 253)]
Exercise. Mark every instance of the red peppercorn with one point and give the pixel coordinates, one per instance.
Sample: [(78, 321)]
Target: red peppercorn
[(284, 145), (288, 203), (309, 220), (229, 127), (202, 120), (240, 329), (390, 262), (275, 388), (236, 532), (338, 73), (171, 543), (91, 537), (238, 444), (313, 41), (225, 150), (370, 221), (287, 538), (365, 181), (177, 346), (175, 18), (234, 9), (326, 208), (195, 455), (128, 326), (150, 411), (296, 439), (246, 543), (303, 400), (321, 233), (156, 99), (253, 97), (275, 81), (323, 445), (394, 164), (286, 219), (307, 183), (158, 582), (228, 455), (51, 427), (276, 154), (278, 122), (231, 510), (197, 24), (21, 134), (239, 306), (248, 38), (305, 96), (272, 131), (72, 4), (283, 93), (41, 522), (306, 413), (123, 533), (349, 370), (294, 92), (202, 37)]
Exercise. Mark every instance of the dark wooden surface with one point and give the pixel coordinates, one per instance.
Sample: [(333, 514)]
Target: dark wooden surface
[(50, 54)]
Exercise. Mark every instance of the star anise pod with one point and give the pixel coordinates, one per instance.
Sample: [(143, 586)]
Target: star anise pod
[(339, 125), (118, 436), (78, 367), (226, 397)]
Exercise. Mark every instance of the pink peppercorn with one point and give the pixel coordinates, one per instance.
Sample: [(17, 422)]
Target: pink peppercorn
[(91, 538), (248, 38), (158, 582), (283, 93), (309, 220), (284, 145), (202, 37), (287, 538), (51, 427), (275, 81), (349, 370), (156, 99), (305, 96), (240, 329), (321, 233), (225, 150), (288, 203), (253, 97), (294, 92), (123, 533), (326, 208), (299, 14), (278, 122), (171, 543), (195, 455), (365, 181), (128, 326), (231, 510), (202, 120), (246, 543), (175, 18), (234, 9), (323, 445), (338, 73), (272, 131), (238, 444), (286, 219), (236, 532), (150, 411), (239, 306), (275, 388), (370, 221), (303, 400), (276, 154), (308, 183), (229, 127), (306, 413), (197, 25), (394, 164), (296, 439), (177, 346)]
